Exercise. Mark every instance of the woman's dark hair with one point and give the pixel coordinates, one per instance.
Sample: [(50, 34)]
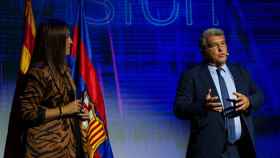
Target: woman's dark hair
[(51, 45)]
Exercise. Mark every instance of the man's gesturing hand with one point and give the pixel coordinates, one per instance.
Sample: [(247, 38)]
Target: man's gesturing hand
[(212, 102), (242, 102)]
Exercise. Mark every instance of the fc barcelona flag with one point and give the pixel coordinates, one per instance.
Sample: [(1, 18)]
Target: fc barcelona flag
[(29, 37), (88, 88)]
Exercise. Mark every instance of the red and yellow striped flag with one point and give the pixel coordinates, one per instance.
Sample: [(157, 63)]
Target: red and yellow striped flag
[(96, 135), (29, 37), (95, 132)]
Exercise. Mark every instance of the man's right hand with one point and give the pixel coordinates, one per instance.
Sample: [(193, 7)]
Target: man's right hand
[(212, 102)]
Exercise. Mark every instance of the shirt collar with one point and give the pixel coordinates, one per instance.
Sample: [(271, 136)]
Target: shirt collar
[(213, 68)]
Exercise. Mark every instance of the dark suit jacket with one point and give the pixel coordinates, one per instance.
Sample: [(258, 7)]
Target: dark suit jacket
[(208, 136)]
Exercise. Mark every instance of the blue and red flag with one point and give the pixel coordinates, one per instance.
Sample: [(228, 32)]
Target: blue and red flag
[(88, 88)]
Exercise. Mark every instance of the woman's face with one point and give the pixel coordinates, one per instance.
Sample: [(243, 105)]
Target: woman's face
[(68, 43)]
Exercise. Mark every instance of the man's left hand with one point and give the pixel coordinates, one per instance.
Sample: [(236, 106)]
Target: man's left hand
[(242, 102)]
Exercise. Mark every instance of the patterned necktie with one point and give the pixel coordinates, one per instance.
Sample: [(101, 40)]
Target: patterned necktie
[(229, 122)]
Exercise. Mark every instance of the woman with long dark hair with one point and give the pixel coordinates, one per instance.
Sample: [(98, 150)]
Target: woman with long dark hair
[(49, 111)]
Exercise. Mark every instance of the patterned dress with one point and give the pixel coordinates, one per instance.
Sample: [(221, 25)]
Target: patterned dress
[(47, 139)]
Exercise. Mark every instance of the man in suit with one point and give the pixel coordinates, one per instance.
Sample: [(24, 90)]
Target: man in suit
[(218, 98)]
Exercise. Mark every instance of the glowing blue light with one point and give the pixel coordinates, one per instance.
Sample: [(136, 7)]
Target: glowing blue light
[(160, 22), (215, 21), (128, 12), (189, 16), (109, 10)]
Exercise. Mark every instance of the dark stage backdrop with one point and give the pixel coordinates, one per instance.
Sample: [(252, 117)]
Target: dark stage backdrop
[(140, 48)]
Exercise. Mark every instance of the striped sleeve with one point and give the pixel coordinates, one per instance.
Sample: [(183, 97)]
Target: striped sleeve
[(31, 98)]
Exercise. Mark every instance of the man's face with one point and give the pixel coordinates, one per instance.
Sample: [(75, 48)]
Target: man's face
[(216, 50)]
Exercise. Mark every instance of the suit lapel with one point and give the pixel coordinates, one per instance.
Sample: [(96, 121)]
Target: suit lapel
[(208, 80), (210, 84)]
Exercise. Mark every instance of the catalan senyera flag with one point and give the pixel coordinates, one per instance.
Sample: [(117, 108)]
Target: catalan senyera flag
[(88, 88), (29, 37)]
